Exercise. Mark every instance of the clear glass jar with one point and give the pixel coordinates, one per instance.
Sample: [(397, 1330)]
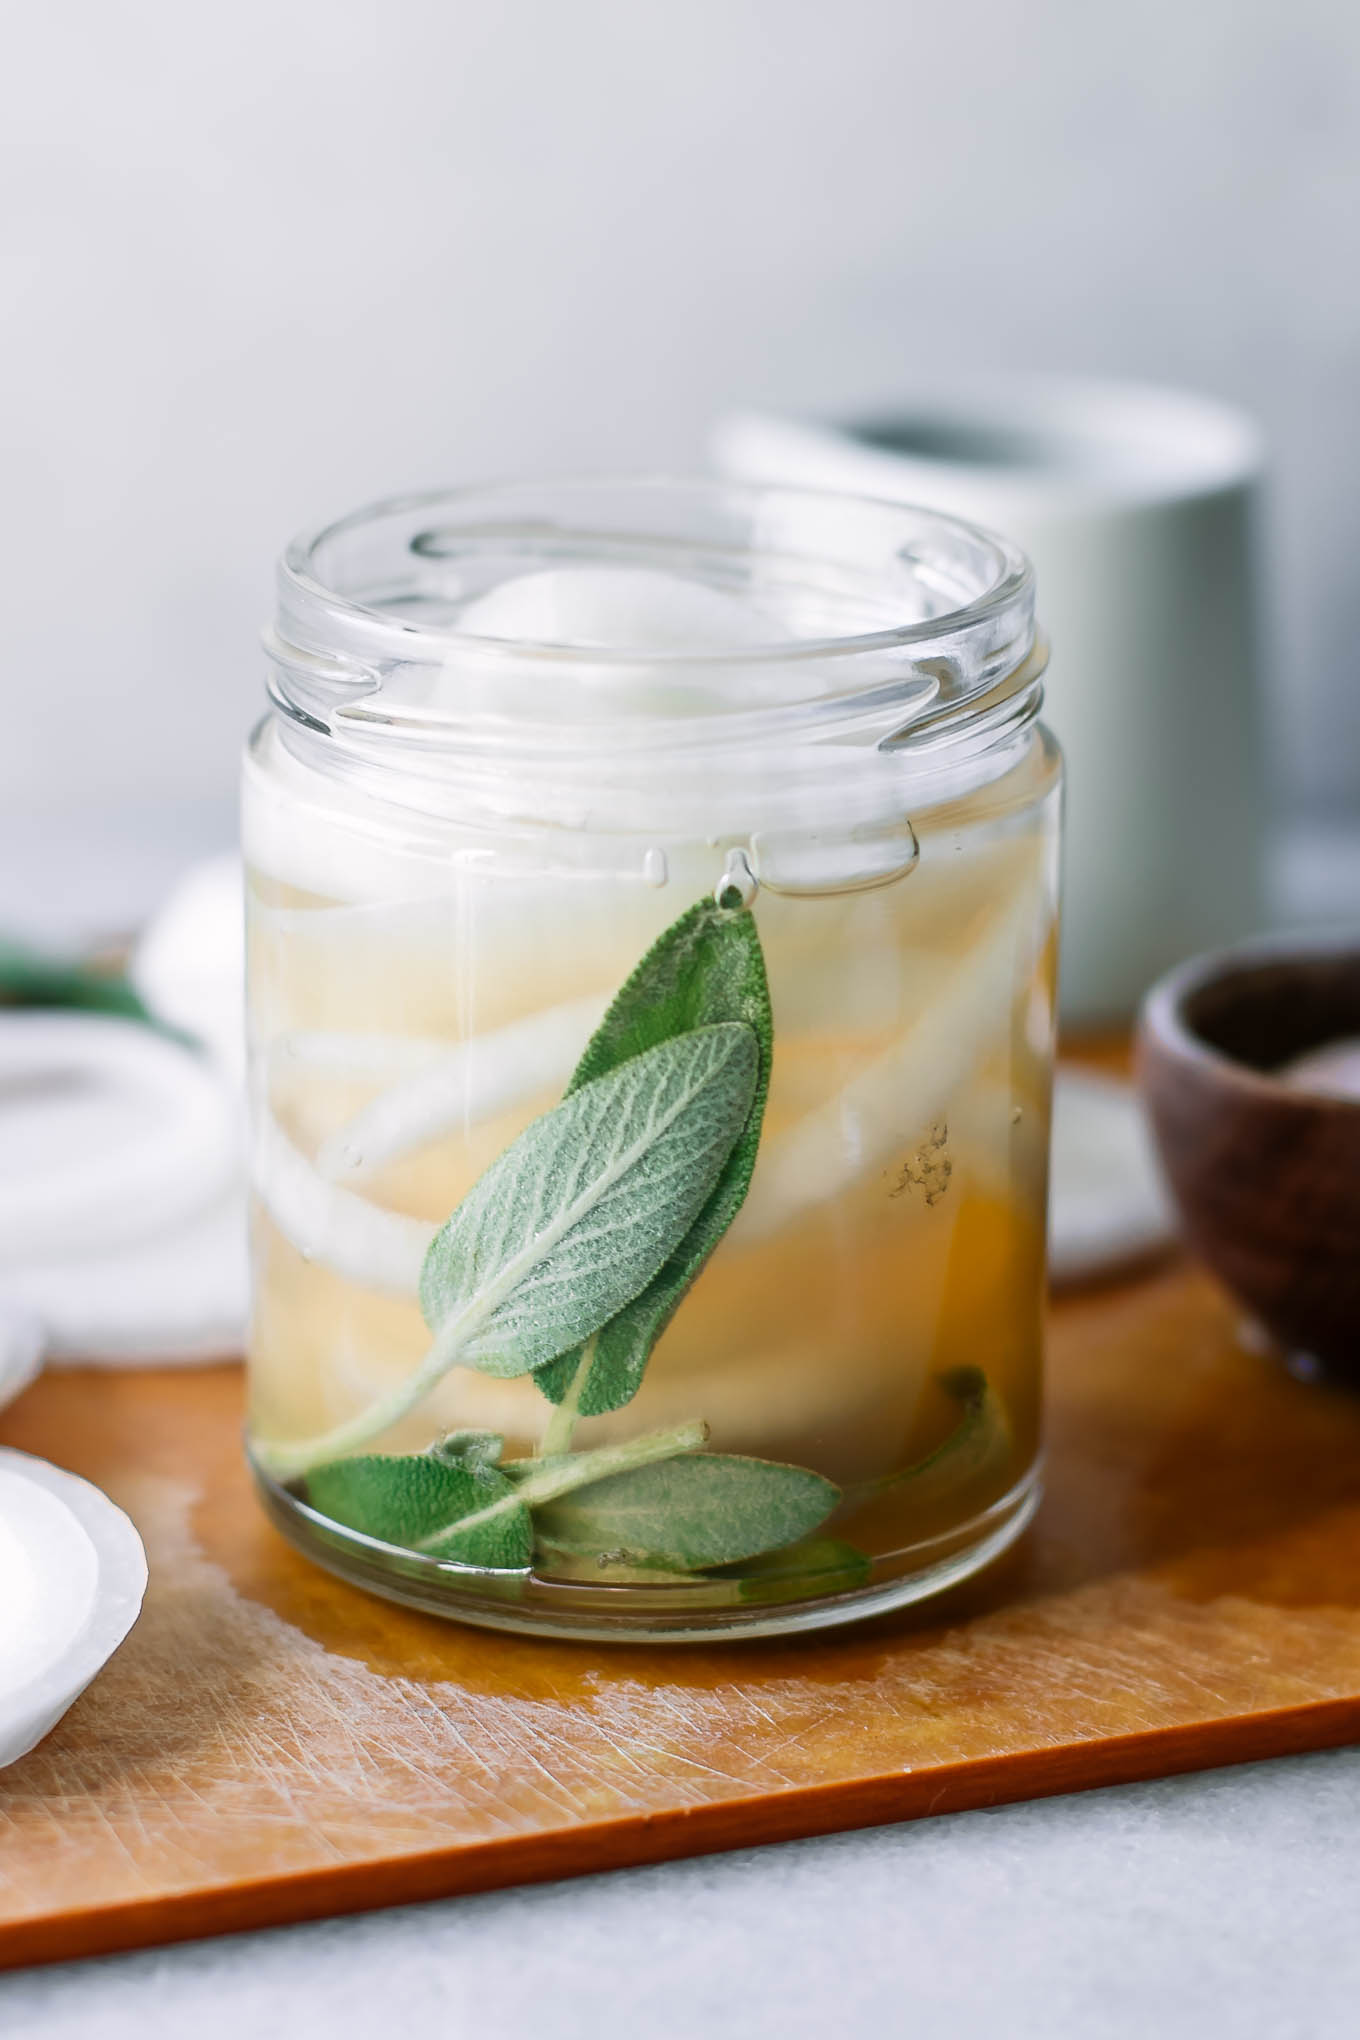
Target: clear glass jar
[(555, 1328)]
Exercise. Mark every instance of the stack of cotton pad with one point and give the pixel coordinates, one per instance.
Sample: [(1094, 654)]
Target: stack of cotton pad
[(1107, 1208), (72, 1576), (122, 1158)]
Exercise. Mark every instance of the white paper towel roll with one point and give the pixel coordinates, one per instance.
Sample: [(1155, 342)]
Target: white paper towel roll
[(1136, 506)]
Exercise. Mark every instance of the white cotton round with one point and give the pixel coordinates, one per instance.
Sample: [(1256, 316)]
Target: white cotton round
[(189, 965), (21, 1351), (620, 609), (1107, 1207), (616, 611), (108, 1134), (72, 1577)]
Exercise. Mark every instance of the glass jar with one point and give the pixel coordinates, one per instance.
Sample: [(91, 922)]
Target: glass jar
[(652, 894)]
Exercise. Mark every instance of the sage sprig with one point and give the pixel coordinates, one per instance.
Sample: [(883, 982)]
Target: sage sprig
[(566, 1261), (569, 1224), (573, 1220), (706, 969), (658, 1503)]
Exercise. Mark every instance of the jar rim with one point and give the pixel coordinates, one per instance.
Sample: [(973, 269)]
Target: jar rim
[(366, 648), (303, 582)]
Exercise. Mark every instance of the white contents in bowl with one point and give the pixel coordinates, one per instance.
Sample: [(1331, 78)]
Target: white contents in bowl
[(1333, 1069)]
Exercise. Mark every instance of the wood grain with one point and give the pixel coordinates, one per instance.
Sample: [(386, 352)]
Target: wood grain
[(271, 1744)]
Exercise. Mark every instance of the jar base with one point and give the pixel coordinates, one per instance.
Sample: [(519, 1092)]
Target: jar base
[(530, 1605)]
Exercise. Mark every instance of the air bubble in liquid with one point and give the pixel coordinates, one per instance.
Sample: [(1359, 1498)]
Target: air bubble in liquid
[(738, 885)]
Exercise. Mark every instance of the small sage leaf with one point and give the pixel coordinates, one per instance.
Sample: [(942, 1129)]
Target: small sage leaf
[(419, 1502), (706, 1509), (706, 968), (978, 1444), (819, 1565), (577, 1215)]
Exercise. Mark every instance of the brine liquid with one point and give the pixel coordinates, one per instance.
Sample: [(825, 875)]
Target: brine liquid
[(894, 1228)]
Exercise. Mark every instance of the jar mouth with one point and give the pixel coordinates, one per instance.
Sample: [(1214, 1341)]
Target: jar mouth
[(886, 623), (970, 571)]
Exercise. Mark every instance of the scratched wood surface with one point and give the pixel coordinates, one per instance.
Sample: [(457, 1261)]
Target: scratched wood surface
[(270, 1744)]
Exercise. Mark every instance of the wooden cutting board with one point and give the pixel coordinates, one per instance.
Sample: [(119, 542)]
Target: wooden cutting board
[(273, 1745)]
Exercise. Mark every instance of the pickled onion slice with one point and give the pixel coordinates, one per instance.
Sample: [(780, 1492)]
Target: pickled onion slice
[(377, 1249), (470, 1082)]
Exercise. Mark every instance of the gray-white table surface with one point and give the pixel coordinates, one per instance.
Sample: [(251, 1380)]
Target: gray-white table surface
[(1220, 1906)]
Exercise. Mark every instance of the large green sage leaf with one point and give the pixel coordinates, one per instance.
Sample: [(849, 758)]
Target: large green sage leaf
[(416, 1501), (705, 969), (579, 1213), (707, 1509)]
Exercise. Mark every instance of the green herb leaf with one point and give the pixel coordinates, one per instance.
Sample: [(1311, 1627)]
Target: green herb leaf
[(707, 1509), (705, 969), (819, 1565), (28, 978), (418, 1502), (575, 1218), (979, 1441)]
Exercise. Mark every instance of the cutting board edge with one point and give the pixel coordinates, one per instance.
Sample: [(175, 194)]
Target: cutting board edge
[(634, 1841)]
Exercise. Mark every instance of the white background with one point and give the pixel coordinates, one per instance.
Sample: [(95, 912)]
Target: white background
[(265, 261)]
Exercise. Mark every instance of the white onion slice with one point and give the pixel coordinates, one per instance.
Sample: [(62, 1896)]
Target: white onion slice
[(902, 1091), (378, 1249), (365, 1057), (72, 1577), (108, 1133), (470, 1083)]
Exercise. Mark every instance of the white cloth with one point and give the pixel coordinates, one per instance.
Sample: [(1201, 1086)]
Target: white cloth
[(122, 1156), (21, 1349)]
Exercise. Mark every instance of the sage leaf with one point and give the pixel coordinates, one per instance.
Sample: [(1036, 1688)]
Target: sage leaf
[(705, 969), (707, 1509), (578, 1214), (978, 1444), (417, 1501), (819, 1565), (28, 978)]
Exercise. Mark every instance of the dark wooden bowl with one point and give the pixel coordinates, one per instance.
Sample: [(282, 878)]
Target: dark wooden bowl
[(1266, 1173)]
